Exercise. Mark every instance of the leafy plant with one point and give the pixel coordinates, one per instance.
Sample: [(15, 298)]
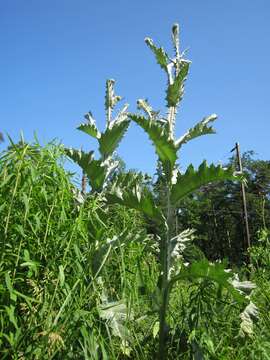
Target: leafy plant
[(128, 191), (161, 131), (99, 171)]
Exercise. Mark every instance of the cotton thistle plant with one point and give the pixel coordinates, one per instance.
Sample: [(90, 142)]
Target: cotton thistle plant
[(128, 191), (161, 131)]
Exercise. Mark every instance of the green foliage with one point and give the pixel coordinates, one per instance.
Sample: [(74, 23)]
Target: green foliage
[(164, 146), (215, 211), (81, 281), (259, 253), (161, 56), (110, 139), (212, 272), (175, 90), (128, 191), (193, 180), (99, 171), (90, 127), (202, 128), (49, 288)]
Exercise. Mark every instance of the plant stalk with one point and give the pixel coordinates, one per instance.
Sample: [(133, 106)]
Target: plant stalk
[(165, 267)]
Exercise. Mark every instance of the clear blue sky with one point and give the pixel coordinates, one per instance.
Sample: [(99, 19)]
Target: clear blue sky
[(55, 56)]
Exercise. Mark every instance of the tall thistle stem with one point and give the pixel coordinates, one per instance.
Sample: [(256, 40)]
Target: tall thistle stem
[(171, 121), (165, 266)]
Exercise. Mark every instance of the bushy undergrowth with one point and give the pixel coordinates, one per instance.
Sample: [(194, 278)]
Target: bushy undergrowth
[(58, 274), (51, 249)]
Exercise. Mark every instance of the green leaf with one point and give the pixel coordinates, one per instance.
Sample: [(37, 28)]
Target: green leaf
[(161, 56), (14, 293), (214, 272), (80, 157), (194, 179), (155, 329), (9, 286), (97, 171), (130, 193), (164, 146), (61, 275), (7, 180), (110, 139), (90, 128), (202, 128), (175, 90), (12, 317)]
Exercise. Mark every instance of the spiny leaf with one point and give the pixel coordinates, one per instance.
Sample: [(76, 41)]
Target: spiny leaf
[(160, 54), (175, 90), (97, 171), (194, 179), (177, 244), (249, 314), (177, 247), (142, 104), (214, 272), (90, 127), (122, 115), (116, 314), (110, 139), (202, 128), (164, 146), (129, 192), (242, 286), (80, 157)]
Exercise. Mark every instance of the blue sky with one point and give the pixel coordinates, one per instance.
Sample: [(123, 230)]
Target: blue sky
[(55, 57)]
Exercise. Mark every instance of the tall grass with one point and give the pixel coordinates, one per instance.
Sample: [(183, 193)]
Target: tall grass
[(49, 245)]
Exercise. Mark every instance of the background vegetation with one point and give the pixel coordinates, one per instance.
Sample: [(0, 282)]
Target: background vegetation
[(53, 299)]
